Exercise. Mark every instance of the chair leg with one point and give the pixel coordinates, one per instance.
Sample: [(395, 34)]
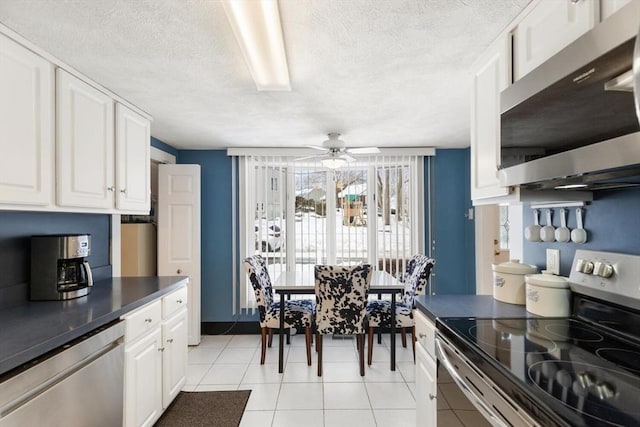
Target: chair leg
[(370, 344), (404, 337), (319, 350), (360, 340), (270, 337), (263, 344), (413, 342), (307, 339)]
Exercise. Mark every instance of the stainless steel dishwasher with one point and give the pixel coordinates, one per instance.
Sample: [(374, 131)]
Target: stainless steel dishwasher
[(79, 384)]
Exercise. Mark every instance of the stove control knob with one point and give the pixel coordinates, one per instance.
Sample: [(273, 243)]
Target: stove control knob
[(586, 267), (579, 265), (585, 379), (603, 269), (605, 390)]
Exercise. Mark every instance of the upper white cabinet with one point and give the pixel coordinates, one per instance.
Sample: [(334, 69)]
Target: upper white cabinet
[(491, 74), (609, 7), (85, 144), (133, 136), (549, 27), (26, 126)]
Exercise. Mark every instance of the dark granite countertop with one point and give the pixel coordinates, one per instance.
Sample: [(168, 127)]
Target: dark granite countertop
[(441, 306), (34, 328)]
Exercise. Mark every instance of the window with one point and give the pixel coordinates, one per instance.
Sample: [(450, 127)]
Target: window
[(297, 213)]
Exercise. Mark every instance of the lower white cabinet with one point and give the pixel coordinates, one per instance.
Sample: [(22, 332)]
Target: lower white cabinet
[(426, 372), (155, 357)]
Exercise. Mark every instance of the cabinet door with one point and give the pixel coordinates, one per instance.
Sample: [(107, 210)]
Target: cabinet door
[(609, 7), (491, 75), (133, 138), (548, 28), (426, 388), (174, 356), (85, 144), (26, 126), (143, 380)]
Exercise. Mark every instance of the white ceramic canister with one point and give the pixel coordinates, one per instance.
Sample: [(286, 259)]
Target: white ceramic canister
[(508, 281), (548, 295)]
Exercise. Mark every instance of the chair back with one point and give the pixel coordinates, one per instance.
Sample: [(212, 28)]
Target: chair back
[(256, 269), (416, 278), (341, 294)]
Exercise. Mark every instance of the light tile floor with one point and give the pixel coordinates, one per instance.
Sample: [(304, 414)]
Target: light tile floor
[(341, 397)]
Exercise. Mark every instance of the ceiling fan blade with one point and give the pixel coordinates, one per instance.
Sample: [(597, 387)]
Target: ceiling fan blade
[(363, 150), (317, 147), (308, 157), (347, 157)]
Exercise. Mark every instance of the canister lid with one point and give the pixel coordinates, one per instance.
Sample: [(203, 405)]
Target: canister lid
[(547, 279), (514, 266)]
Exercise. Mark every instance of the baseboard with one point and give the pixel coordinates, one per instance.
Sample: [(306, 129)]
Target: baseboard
[(230, 328)]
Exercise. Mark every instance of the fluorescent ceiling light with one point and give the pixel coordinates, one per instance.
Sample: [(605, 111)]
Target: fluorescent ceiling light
[(334, 162), (256, 25)]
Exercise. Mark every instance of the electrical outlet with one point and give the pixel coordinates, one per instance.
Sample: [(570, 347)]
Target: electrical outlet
[(553, 261)]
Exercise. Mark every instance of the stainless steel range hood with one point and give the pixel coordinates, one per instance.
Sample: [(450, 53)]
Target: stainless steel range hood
[(572, 123)]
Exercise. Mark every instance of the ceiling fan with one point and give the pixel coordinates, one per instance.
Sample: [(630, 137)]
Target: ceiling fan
[(336, 154)]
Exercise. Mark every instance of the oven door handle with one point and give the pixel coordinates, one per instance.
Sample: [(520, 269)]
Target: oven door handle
[(466, 389)]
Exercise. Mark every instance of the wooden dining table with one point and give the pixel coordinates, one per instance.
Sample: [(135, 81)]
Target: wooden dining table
[(303, 283)]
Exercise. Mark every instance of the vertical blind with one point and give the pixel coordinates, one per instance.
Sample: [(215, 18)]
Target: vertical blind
[(297, 213)]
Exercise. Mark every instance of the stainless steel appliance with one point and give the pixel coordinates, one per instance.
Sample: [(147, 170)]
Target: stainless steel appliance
[(80, 384), (59, 270), (580, 370), (572, 122)]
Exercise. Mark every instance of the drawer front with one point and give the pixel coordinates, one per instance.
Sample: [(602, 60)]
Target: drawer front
[(174, 302), (425, 332), (142, 320)]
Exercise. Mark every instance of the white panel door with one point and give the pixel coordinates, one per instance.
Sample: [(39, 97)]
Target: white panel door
[(548, 28), (179, 233), (85, 144), (174, 356), (133, 138), (490, 76), (26, 126)]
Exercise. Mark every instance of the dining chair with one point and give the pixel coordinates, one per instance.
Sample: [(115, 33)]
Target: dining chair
[(415, 280), (297, 313), (341, 298)]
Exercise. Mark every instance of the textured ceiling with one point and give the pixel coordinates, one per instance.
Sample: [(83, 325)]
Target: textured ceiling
[(380, 72)]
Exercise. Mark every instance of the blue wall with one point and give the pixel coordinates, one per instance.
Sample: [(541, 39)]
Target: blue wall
[(612, 222), (453, 233), (163, 146), (454, 252)]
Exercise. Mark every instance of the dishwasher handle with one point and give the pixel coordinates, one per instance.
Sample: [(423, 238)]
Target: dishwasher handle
[(466, 389)]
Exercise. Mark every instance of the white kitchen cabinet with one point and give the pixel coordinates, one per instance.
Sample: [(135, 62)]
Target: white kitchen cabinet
[(155, 357), (490, 76), (143, 380), (26, 126), (609, 7), (426, 372), (548, 28), (85, 144), (133, 136)]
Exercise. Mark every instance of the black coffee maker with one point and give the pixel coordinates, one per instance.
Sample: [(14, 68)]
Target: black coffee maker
[(58, 267)]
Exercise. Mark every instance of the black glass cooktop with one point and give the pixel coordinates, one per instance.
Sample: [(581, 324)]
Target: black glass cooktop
[(564, 371)]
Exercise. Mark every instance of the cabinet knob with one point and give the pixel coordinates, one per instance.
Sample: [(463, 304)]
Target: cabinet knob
[(148, 320), (110, 188), (431, 396), (421, 335), (179, 271), (170, 340), (179, 301), (124, 191), (161, 349)]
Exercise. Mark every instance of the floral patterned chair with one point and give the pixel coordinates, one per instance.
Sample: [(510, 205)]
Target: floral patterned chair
[(415, 279), (297, 313), (341, 294)]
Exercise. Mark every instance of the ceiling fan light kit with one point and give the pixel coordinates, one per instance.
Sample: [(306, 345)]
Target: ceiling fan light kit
[(334, 162), (257, 28)]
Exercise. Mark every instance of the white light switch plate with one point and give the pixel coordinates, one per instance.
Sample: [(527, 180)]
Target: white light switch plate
[(553, 261)]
